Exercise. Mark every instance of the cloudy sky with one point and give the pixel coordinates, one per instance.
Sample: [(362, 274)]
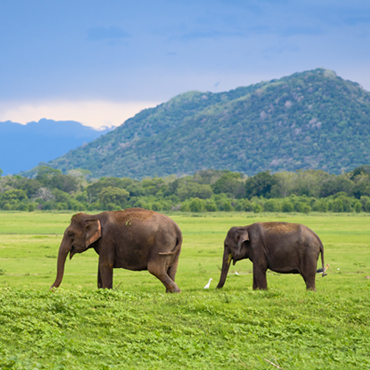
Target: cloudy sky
[(99, 62)]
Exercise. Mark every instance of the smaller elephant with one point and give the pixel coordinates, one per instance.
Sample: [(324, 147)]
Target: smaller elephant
[(279, 246), (134, 239)]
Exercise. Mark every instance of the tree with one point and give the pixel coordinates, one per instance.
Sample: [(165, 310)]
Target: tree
[(196, 205), (260, 185), (112, 195), (335, 184), (193, 190), (230, 183), (13, 195), (287, 206)]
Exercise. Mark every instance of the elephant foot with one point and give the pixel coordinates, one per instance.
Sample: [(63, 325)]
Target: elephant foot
[(174, 289)]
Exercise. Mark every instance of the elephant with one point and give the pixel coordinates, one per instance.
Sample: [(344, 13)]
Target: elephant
[(279, 246), (135, 239)]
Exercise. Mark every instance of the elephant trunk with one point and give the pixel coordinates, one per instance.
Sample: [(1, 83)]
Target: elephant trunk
[(64, 249), (225, 268)]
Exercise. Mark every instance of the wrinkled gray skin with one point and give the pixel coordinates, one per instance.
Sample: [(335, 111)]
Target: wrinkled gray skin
[(278, 246), (134, 239)]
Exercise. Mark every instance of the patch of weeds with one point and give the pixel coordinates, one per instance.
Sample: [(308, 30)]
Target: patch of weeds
[(360, 264), (201, 269), (226, 298), (51, 256), (2, 271)]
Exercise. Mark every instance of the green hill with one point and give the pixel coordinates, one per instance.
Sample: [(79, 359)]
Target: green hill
[(312, 119)]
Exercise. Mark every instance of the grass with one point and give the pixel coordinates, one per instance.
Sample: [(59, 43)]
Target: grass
[(137, 325)]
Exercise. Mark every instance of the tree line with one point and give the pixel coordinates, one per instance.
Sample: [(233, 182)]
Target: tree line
[(205, 191)]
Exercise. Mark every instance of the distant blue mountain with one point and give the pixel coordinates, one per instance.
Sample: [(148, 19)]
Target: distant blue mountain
[(23, 147)]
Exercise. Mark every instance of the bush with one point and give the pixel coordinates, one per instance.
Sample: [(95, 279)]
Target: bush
[(305, 209), (22, 207), (185, 207), (196, 205), (321, 205), (156, 207), (287, 206), (225, 206), (31, 207), (257, 208), (358, 207), (336, 206), (272, 205), (210, 207)]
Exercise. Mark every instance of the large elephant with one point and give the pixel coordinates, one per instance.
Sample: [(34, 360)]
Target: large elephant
[(134, 239), (279, 246)]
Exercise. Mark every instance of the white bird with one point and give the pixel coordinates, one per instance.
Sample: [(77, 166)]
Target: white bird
[(236, 273), (208, 284)]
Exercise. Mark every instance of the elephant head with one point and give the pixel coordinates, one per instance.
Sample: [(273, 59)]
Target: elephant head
[(83, 231), (236, 247)]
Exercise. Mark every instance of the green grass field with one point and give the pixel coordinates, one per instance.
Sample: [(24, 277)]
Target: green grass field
[(138, 326)]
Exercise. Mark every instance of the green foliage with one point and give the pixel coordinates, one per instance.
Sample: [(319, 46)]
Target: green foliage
[(287, 206), (112, 195), (260, 185), (230, 183), (196, 205), (205, 191)]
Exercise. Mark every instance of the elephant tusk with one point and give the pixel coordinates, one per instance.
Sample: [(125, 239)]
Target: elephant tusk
[(229, 259)]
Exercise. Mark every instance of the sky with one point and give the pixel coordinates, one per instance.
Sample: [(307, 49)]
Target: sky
[(100, 62)]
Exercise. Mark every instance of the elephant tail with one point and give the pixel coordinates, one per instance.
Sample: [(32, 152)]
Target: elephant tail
[(323, 269), (177, 248)]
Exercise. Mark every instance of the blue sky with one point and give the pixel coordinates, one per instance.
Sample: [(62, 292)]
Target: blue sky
[(99, 62)]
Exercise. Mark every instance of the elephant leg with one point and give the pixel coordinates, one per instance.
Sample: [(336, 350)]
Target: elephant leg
[(100, 283), (106, 275), (259, 277), (171, 272), (309, 279), (159, 270), (308, 272)]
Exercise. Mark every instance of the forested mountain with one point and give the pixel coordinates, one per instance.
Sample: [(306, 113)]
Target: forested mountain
[(24, 146), (312, 119)]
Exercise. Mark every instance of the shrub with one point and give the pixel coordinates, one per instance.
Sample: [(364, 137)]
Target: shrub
[(225, 206), (305, 209), (22, 207), (210, 207), (337, 205), (156, 207), (358, 207), (196, 205), (287, 206), (185, 207), (31, 207), (321, 205), (257, 208), (272, 205)]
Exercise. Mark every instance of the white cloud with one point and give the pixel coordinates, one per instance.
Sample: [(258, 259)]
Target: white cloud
[(94, 113)]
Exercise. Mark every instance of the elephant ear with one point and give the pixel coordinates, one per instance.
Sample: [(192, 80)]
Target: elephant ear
[(92, 232), (243, 237)]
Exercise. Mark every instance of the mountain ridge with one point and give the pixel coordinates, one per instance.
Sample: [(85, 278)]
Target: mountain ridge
[(25, 146), (312, 119)]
